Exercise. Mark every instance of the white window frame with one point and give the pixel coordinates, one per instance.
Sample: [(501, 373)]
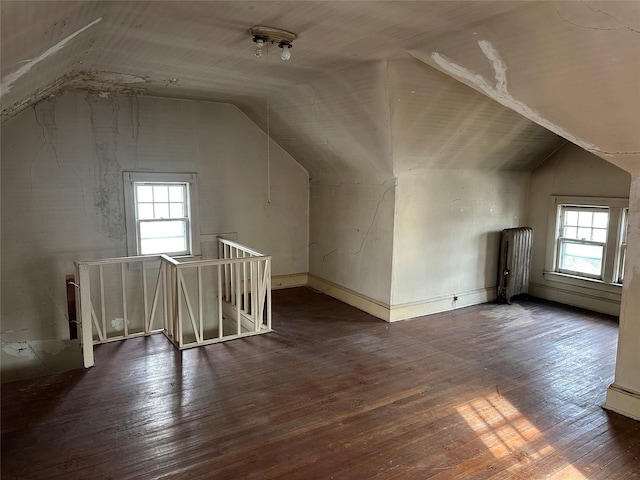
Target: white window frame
[(131, 179), (562, 240), (612, 252), (622, 249)]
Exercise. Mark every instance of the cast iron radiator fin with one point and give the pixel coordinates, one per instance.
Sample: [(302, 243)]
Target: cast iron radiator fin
[(515, 262)]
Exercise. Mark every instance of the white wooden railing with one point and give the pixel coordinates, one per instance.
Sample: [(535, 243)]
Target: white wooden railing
[(193, 303)]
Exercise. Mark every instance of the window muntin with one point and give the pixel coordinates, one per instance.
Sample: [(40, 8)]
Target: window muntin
[(162, 219), (582, 240), (579, 248), (161, 213)]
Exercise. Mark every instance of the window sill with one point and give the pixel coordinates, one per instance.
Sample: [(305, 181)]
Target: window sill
[(584, 282)]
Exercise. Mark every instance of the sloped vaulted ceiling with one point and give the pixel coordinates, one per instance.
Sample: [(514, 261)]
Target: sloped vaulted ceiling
[(374, 87)]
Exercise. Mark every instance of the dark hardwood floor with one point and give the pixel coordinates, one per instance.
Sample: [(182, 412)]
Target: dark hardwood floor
[(491, 391)]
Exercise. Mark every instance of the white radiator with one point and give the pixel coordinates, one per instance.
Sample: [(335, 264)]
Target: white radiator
[(515, 262)]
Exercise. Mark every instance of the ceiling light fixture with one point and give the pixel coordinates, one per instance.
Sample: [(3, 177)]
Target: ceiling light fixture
[(263, 35)]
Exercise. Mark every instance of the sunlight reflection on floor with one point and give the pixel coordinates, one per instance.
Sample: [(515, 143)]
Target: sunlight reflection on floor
[(505, 431)]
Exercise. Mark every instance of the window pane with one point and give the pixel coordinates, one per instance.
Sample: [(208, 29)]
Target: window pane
[(584, 233), (163, 237), (585, 219), (571, 218), (145, 211), (161, 210), (176, 210), (162, 245), (600, 219), (144, 193), (156, 205), (160, 193), (176, 193), (170, 228), (581, 258), (599, 235), (570, 232)]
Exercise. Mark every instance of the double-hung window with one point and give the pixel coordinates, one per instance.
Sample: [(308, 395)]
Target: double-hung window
[(588, 238), (160, 213), (582, 239)]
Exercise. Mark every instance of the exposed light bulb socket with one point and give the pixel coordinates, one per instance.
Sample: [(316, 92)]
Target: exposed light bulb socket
[(286, 53), (259, 41)]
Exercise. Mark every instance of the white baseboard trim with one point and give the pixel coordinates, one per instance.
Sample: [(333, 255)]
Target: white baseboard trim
[(622, 401), (576, 299), (289, 280), (367, 304), (442, 304), (394, 313)]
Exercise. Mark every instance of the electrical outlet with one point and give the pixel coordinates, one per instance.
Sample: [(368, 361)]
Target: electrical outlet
[(455, 298)]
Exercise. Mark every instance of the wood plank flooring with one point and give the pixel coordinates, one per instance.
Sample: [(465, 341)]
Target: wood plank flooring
[(485, 392)]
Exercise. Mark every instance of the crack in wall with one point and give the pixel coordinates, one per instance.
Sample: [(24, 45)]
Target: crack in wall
[(441, 152), (373, 221), (134, 111), (108, 191), (34, 159), (324, 257), (51, 129)]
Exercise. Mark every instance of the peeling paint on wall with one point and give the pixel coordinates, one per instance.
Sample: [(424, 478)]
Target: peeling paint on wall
[(93, 80), (46, 120), (108, 190), (500, 93), (118, 323), (9, 80), (19, 349), (107, 82), (134, 110)]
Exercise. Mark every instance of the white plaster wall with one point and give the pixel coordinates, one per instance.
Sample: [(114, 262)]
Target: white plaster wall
[(351, 234), (447, 232), (626, 400), (62, 198), (575, 172)]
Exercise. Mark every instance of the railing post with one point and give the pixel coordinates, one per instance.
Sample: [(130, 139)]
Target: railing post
[(220, 326), (168, 321), (245, 308), (85, 315), (254, 294), (200, 308), (145, 304), (103, 306), (179, 304), (125, 317), (238, 299), (268, 266)]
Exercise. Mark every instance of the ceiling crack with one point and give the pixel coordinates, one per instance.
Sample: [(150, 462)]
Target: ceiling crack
[(622, 24), (582, 26)]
